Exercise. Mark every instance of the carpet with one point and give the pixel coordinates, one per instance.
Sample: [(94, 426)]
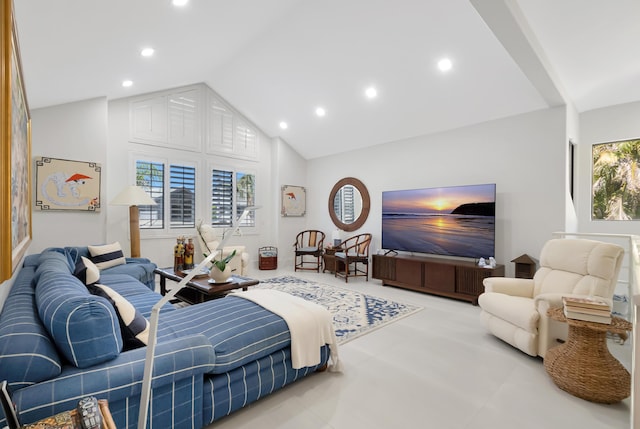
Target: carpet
[(354, 313)]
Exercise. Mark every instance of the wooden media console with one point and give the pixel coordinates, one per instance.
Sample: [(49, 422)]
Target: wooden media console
[(438, 276)]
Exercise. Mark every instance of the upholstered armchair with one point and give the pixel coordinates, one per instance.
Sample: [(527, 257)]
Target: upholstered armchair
[(352, 259), (208, 240), (515, 310), (309, 244)]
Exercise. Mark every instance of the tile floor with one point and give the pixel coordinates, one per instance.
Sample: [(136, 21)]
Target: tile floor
[(437, 368)]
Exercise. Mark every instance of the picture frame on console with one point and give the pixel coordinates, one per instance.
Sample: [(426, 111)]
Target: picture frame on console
[(15, 161)]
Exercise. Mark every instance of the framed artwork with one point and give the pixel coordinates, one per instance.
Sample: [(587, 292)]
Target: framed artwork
[(15, 150), (62, 184), (294, 200)]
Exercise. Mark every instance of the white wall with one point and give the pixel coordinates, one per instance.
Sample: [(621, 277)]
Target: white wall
[(75, 131), (524, 155), (573, 136), (289, 169)]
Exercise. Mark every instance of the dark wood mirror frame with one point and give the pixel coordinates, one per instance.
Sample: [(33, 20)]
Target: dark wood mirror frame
[(366, 204)]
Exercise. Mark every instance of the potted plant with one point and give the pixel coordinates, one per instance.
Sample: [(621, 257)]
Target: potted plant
[(219, 271)]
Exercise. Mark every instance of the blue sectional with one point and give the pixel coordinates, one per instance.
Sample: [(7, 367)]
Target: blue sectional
[(140, 268), (59, 343)]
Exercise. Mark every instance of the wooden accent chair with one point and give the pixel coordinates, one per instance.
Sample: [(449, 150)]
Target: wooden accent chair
[(354, 255), (309, 243)]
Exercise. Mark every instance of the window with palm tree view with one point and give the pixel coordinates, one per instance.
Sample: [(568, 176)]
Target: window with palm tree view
[(173, 187), (616, 180)]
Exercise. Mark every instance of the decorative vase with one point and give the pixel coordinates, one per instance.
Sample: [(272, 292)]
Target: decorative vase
[(220, 276)]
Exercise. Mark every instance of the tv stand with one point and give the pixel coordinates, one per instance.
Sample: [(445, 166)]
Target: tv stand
[(438, 276)]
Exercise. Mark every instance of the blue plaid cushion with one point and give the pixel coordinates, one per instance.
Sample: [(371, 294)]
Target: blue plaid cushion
[(27, 354), (239, 330), (84, 327)]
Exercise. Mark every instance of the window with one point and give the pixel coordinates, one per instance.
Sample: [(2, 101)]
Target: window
[(181, 183), (150, 176), (245, 197), (183, 196), (616, 181), (221, 198), (225, 202)]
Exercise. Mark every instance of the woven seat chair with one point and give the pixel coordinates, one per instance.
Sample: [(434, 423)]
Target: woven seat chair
[(352, 259), (308, 245)]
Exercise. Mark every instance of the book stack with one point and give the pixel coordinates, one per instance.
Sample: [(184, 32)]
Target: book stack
[(587, 309)]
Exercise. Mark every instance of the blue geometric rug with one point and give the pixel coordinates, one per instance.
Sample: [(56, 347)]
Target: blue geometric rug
[(354, 313)]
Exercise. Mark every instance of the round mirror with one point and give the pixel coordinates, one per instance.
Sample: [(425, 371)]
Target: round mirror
[(349, 204)]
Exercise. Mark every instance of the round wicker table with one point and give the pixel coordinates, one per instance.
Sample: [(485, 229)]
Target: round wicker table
[(583, 365)]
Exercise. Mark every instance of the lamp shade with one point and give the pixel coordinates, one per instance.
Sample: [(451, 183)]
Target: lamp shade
[(133, 196)]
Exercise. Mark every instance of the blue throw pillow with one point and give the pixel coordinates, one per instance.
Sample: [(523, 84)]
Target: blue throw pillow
[(84, 327)]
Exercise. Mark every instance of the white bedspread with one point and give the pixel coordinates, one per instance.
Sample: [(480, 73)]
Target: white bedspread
[(310, 325)]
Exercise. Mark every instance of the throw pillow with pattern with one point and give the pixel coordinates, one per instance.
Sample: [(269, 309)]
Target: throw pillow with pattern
[(87, 271), (134, 327), (108, 255)]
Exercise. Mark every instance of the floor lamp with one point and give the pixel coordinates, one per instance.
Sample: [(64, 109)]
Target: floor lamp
[(134, 196), (155, 315)]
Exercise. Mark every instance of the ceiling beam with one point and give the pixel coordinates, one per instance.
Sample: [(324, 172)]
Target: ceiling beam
[(507, 22)]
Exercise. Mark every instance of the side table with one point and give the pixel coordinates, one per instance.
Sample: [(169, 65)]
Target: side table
[(71, 419), (329, 259), (583, 365)]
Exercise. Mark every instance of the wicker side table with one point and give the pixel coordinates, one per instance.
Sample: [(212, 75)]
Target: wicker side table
[(583, 365)]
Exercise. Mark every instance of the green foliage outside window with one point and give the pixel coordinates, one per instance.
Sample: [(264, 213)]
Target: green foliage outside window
[(616, 180)]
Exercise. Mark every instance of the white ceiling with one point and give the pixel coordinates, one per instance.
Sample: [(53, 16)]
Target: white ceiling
[(276, 60)]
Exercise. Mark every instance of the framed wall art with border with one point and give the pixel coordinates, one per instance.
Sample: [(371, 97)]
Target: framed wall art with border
[(15, 150), (63, 184), (294, 201)]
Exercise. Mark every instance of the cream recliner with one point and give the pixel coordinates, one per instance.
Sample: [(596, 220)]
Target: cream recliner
[(208, 241), (515, 310)]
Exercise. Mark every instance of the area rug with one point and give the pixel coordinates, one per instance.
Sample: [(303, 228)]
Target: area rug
[(354, 313)]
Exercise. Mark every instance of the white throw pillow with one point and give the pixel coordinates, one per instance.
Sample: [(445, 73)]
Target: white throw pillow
[(108, 255), (135, 328), (87, 271)]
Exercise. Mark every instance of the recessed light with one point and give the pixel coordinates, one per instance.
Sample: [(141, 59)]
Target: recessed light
[(179, 2), (284, 125), (445, 64), (127, 83), (147, 52), (320, 111), (371, 92)]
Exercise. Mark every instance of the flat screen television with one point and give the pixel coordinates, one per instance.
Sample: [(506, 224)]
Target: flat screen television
[(451, 221)]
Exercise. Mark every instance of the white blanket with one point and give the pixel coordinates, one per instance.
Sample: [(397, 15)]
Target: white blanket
[(310, 325)]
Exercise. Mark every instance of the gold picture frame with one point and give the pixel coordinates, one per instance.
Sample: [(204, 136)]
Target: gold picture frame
[(15, 150), (294, 201)]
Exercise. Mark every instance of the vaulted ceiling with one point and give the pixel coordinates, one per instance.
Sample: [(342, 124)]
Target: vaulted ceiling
[(278, 60)]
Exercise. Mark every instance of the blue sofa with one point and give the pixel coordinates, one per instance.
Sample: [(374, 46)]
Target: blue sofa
[(59, 343), (140, 268)]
